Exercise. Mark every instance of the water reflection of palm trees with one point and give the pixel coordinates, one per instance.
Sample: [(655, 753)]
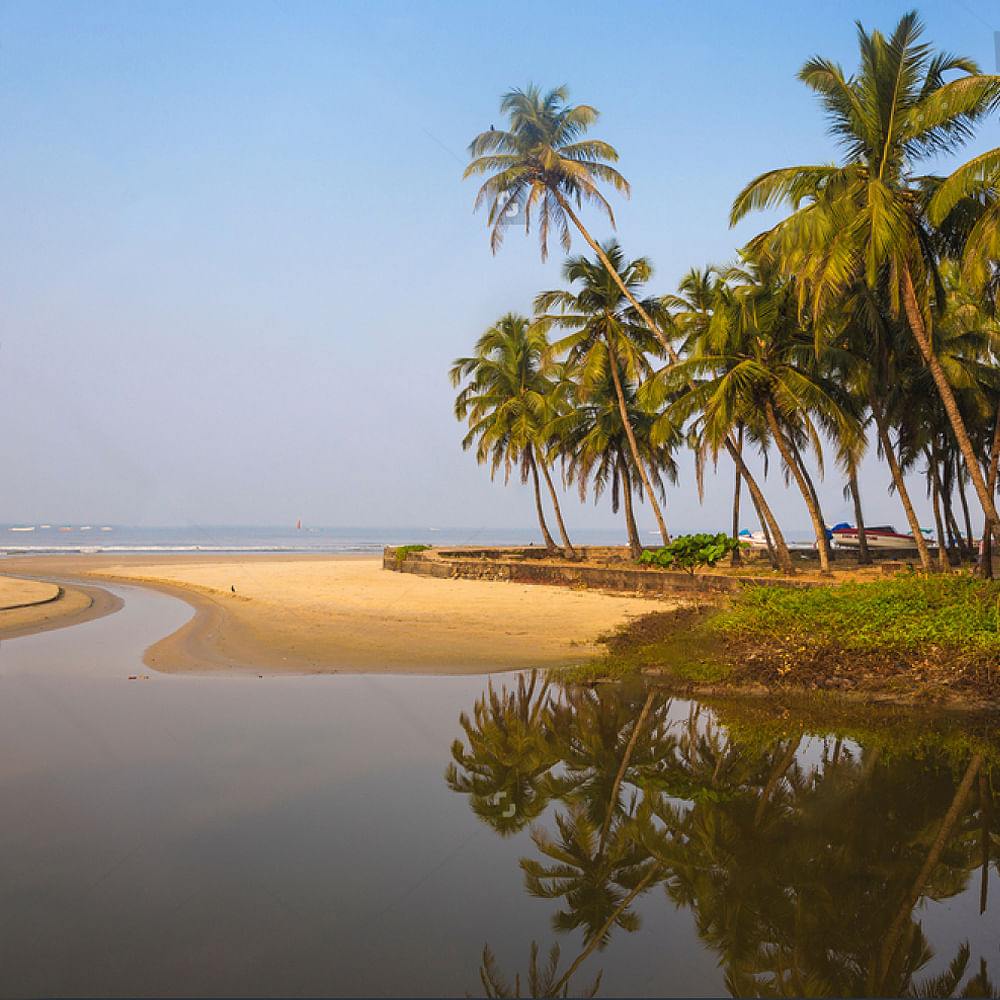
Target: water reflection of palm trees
[(803, 862)]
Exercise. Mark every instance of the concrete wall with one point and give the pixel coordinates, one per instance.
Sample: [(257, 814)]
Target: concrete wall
[(525, 566)]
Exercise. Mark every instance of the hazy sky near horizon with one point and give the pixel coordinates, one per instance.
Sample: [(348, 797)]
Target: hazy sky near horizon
[(238, 258)]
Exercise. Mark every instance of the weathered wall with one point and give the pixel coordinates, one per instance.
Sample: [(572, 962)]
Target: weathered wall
[(526, 566)]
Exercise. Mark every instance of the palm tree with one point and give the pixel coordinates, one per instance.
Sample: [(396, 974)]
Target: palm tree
[(701, 292), (605, 335), (979, 179), (543, 164), (865, 221), (508, 402), (592, 441), (756, 360)]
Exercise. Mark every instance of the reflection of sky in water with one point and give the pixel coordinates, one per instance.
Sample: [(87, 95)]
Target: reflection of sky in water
[(236, 835)]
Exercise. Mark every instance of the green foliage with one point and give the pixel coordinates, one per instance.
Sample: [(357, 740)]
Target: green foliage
[(690, 552), (908, 613), (403, 551)]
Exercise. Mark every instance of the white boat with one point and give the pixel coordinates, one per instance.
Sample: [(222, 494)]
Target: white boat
[(30, 528), (882, 536)]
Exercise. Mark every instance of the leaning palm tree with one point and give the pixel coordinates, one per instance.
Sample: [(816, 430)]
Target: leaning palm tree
[(508, 402), (605, 335), (865, 221)]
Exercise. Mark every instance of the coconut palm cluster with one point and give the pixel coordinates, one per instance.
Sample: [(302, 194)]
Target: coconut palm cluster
[(865, 318)]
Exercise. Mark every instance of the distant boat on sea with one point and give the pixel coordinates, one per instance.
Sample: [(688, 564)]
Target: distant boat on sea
[(30, 527)]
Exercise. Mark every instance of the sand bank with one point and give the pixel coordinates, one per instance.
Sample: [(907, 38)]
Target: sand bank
[(28, 606), (328, 614)]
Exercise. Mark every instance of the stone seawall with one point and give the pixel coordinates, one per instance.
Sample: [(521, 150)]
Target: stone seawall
[(530, 565)]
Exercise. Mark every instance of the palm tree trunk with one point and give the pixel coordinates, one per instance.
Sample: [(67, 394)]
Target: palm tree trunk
[(970, 543), (947, 490), (897, 478), (550, 545), (568, 549), (864, 556), (920, 333), (634, 544), (786, 454), (936, 504), (770, 544), (989, 526), (630, 434), (736, 558), (947, 824), (784, 557)]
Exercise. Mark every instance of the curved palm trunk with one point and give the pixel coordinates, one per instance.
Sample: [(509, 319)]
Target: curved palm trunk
[(550, 545), (864, 556), (770, 525), (920, 333), (789, 458), (825, 543), (634, 545), (620, 776), (784, 557), (897, 478), (772, 782), (568, 549), (623, 410)]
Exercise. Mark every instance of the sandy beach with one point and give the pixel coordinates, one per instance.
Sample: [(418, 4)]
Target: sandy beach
[(328, 614)]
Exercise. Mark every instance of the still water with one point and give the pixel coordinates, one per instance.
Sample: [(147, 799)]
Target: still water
[(362, 835)]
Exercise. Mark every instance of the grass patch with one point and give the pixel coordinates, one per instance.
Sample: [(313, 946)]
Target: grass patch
[(905, 613)]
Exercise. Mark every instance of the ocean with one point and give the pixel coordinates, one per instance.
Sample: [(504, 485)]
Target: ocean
[(24, 539)]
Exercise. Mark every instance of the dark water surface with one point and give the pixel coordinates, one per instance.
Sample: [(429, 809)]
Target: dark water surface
[(300, 835)]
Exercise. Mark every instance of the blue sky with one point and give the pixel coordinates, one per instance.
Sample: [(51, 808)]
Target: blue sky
[(237, 256)]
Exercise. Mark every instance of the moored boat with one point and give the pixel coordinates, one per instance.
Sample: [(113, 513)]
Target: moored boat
[(882, 536)]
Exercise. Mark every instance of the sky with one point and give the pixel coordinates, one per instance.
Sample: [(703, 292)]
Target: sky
[(237, 256)]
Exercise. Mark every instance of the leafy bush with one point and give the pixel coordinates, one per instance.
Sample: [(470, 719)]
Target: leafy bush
[(691, 552), (403, 551)]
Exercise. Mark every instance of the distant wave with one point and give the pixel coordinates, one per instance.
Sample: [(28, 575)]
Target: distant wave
[(92, 549)]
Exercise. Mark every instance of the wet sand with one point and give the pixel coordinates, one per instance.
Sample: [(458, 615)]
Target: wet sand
[(330, 614)]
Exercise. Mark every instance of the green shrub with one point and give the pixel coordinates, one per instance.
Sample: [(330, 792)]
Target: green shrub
[(403, 551), (691, 552)]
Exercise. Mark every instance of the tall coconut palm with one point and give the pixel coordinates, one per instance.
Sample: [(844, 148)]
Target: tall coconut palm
[(605, 335), (865, 220), (508, 402)]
